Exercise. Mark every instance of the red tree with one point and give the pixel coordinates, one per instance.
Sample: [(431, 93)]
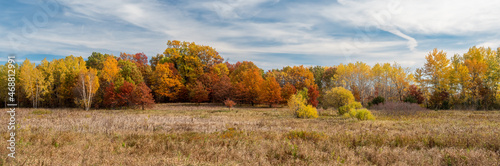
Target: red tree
[(140, 59), (198, 93), (222, 89), (287, 91), (414, 95), (313, 94), (110, 96), (142, 96), (124, 96)]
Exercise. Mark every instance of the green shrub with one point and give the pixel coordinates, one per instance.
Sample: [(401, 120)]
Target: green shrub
[(377, 100), (360, 114), (337, 97), (410, 99)]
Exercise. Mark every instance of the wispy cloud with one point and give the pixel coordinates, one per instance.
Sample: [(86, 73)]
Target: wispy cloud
[(272, 33)]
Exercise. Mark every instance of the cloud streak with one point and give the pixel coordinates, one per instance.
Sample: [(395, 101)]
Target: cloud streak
[(270, 32)]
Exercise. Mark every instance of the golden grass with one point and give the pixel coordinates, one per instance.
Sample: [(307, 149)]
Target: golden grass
[(179, 134)]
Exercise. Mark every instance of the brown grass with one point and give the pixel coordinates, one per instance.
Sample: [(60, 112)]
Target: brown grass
[(179, 134)]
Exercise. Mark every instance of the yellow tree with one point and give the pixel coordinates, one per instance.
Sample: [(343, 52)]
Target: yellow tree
[(459, 80), (166, 81), (4, 83), (190, 59), (434, 78), (475, 61), (65, 78), (110, 69), (436, 70), (400, 78), (87, 86), (32, 82), (356, 77), (47, 69), (483, 67)]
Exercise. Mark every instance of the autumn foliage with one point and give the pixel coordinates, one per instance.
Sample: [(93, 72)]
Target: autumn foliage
[(142, 96), (188, 72)]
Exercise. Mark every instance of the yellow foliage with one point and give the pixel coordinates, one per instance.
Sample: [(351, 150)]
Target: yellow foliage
[(338, 97), (110, 69), (360, 114), (346, 108), (301, 110), (166, 81)]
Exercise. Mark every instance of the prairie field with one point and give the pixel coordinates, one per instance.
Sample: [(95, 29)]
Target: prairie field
[(187, 134)]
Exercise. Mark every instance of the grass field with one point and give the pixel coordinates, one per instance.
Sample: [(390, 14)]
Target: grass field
[(178, 134)]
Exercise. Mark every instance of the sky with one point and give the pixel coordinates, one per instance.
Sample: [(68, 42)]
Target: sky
[(271, 33)]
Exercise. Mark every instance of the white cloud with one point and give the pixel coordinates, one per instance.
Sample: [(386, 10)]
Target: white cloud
[(235, 28), (428, 17)]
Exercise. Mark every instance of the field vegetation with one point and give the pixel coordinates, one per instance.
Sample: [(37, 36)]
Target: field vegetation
[(188, 134)]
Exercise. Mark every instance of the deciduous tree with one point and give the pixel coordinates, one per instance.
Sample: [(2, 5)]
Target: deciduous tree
[(198, 92), (125, 96), (32, 82), (87, 86), (142, 96), (270, 92), (166, 81)]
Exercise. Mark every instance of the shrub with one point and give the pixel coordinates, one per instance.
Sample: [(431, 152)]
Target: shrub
[(229, 103), (439, 100), (377, 100), (297, 105), (346, 108), (414, 95), (307, 112), (338, 97), (410, 99), (360, 114)]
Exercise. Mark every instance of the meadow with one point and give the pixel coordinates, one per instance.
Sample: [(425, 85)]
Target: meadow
[(187, 134)]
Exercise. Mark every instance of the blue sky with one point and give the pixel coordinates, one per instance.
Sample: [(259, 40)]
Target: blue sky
[(272, 33)]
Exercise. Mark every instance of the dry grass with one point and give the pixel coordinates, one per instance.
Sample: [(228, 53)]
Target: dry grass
[(178, 134)]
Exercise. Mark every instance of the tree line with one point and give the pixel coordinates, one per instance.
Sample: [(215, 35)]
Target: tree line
[(187, 72)]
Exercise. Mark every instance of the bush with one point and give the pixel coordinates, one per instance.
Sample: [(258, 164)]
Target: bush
[(337, 97), (307, 112), (229, 103), (346, 108), (410, 99), (360, 114), (377, 100), (297, 105), (414, 95)]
